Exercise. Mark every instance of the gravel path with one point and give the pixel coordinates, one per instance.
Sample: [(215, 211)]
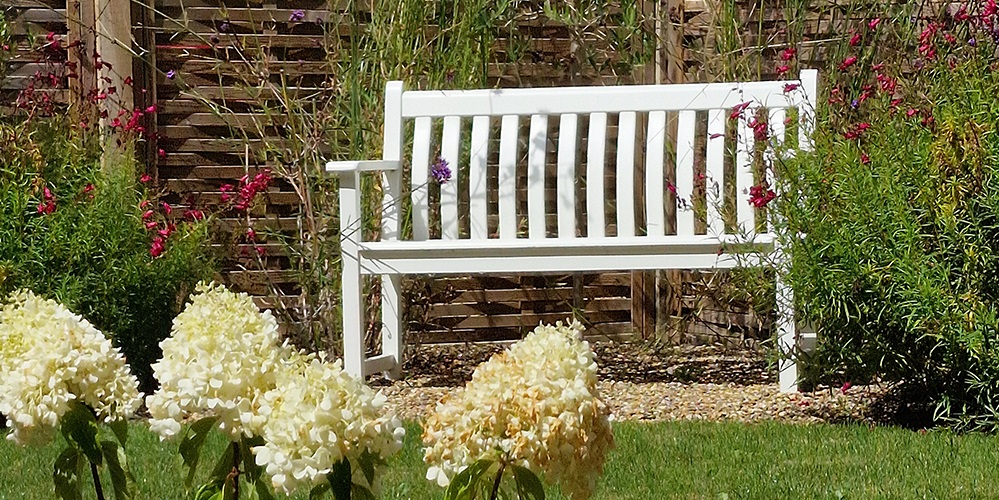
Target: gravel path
[(643, 383)]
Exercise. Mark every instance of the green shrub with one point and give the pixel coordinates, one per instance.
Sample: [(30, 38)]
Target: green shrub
[(899, 207), (85, 243)]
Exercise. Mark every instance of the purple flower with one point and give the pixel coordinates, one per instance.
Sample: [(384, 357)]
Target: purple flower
[(440, 171), (972, 42), (297, 15), (855, 104), (170, 74), (224, 27)]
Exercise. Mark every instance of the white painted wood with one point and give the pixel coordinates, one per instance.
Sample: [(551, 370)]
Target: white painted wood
[(685, 133), (391, 258), (392, 317), (714, 159), (808, 103), (351, 301), (333, 167), (626, 174), (655, 174), (450, 144), (509, 132), (420, 178), (745, 149), (537, 143), (596, 226), (477, 178), (566, 177), (579, 100)]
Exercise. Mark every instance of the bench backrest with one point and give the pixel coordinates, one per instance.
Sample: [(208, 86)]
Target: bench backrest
[(588, 161)]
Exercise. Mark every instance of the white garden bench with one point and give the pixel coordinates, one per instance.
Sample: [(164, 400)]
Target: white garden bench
[(504, 211)]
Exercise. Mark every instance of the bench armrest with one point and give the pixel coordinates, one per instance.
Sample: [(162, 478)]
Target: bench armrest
[(343, 167)]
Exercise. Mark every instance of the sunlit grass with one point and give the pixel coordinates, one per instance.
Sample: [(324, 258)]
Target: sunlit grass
[(652, 460)]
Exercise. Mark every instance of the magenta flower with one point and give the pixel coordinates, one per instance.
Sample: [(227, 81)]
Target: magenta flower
[(849, 61), (760, 196)]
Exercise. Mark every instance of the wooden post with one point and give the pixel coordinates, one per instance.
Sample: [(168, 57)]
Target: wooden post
[(114, 51), (670, 68), (80, 22)]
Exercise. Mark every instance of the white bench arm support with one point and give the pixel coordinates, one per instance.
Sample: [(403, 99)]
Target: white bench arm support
[(343, 167)]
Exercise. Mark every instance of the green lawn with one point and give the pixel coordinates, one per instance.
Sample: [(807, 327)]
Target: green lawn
[(662, 460)]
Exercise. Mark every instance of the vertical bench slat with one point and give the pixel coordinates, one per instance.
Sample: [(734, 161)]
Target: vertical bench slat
[(595, 150), (420, 174), (566, 176), (806, 109), (626, 174), (686, 128), (508, 177), (775, 148), (536, 147), (746, 148), (392, 318), (450, 145), (655, 174), (477, 178), (715, 170)]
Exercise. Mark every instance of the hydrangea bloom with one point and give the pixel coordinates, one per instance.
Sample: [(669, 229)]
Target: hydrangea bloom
[(222, 355), (535, 405), (319, 414), (50, 357)]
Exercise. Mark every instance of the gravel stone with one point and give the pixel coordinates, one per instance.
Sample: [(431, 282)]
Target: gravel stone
[(643, 382)]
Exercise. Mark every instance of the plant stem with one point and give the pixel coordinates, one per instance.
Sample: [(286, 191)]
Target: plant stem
[(235, 470), (496, 483), (97, 481)]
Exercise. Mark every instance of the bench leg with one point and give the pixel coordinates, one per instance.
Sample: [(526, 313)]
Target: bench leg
[(787, 336), (392, 326), (351, 293)]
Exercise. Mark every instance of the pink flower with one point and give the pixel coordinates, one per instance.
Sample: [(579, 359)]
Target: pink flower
[(760, 196), (145, 178), (151, 224), (166, 208), (911, 112), (849, 61), (873, 24), (790, 87), (738, 109), (251, 234), (191, 214), (788, 54), (782, 69), (88, 188), (864, 158), (261, 251), (846, 387), (855, 39), (148, 214), (157, 247), (151, 109)]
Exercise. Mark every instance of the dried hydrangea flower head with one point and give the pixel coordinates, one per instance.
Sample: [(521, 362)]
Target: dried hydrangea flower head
[(50, 357), (535, 405), (221, 357), (318, 415)]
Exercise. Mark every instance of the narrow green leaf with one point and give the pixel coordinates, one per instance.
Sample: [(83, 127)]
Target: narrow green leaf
[(66, 474), (367, 462), (120, 430), (462, 486), (224, 464), (209, 491), (191, 444), (528, 485), (80, 427), (114, 457), (339, 479), (319, 490)]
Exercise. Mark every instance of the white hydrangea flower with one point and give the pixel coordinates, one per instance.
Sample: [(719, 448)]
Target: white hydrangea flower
[(535, 405), (50, 357), (318, 415), (223, 354)]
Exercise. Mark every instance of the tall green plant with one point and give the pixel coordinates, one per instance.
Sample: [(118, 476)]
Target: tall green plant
[(898, 206)]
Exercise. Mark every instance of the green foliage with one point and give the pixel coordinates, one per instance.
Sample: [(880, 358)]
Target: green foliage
[(899, 207), (485, 480), (91, 250), (81, 432)]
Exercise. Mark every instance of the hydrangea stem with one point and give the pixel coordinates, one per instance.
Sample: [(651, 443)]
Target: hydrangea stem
[(234, 474), (97, 482), (496, 483)]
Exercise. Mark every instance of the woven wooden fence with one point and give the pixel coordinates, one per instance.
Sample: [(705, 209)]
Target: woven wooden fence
[(212, 128)]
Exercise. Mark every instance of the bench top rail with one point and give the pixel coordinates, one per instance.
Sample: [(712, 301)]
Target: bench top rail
[(592, 162)]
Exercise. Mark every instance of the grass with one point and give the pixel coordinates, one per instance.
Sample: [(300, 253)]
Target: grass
[(660, 460)]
